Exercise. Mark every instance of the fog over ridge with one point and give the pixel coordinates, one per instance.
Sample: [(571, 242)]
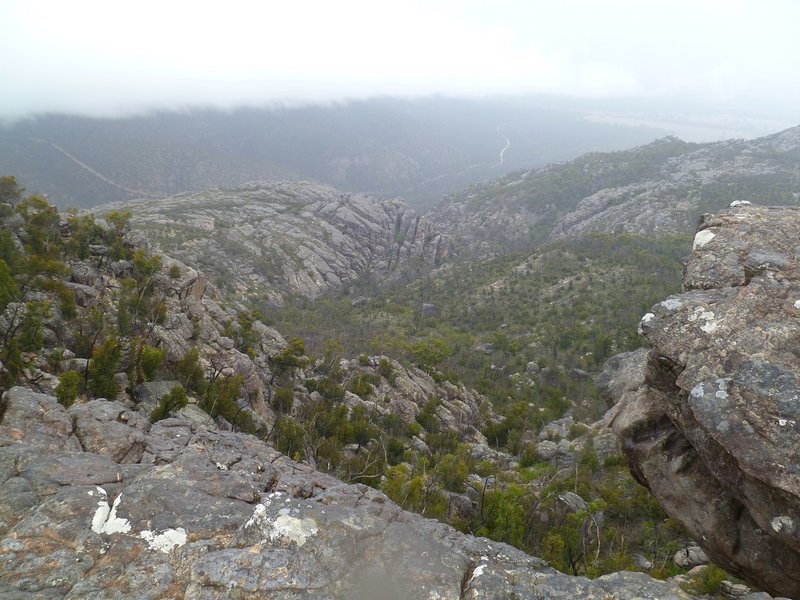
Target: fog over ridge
[(109, 59)]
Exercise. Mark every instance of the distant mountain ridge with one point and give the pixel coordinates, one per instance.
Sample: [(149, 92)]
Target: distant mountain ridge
[(414, 149), (661, 188)]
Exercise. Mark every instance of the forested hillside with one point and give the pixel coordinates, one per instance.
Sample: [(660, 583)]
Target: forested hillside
[(413, 149)]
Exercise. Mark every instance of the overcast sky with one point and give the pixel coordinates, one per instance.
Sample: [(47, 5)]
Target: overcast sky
[(112, 57)]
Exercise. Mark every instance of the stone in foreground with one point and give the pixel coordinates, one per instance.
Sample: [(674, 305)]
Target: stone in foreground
[(712, 424), (176, 510)]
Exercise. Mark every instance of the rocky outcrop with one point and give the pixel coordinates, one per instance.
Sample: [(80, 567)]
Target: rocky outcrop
[(203, 513), (186, 313), (270, 240), (709, 418), (406, 392), (705, 179), (657, 189)]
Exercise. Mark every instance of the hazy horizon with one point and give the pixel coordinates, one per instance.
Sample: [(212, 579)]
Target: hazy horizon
[(106, 59)]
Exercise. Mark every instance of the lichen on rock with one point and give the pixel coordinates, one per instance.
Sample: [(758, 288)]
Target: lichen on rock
[(710, 421)]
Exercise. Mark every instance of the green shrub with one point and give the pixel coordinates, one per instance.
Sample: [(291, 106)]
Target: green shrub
[(282, 400), (31, 333), (169, 403), (102, 368), (427, 416), (289, 438), (330, 389), (453, 471), (395, 451), (152, 358), (67, 388), (496, 433), (614, 460), (414, 429), (528, 456), (293, 356), (386, 369), (221, 399), (576, 430), (393, 424), (707, 582), (361, 384), (430, 352), (191, 373)]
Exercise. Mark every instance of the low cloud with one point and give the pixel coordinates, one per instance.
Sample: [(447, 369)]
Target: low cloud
[(108, 58)]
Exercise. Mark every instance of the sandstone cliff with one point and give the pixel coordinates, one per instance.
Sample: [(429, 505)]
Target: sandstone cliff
[(709, 418)]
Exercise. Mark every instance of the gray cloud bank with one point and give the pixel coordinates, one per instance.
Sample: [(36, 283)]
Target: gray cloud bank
[(108, 58)]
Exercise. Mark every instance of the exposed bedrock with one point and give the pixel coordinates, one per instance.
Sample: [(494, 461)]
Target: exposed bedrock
[(709, 418), (96, 503)]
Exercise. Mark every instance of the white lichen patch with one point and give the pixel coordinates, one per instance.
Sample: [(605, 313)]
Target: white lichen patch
[(645, 319), (736, 203), (105, 519), (785, 422), (294, 529), (672, 304), (259, 516), (477, 572), (702, 238), (698, 391), (722, 392), (100, 516), (797, 304), (166, 540), (709, 327), (701, 314), (782, 524)]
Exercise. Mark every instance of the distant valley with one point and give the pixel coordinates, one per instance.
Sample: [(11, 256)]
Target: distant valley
[(417, 150), (465, 361)]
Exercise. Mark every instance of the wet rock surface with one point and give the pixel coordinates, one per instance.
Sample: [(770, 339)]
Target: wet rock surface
[(710, 418), (211, 514)]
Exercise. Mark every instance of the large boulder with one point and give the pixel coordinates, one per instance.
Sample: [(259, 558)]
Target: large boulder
[(211, 514), (713, 426)]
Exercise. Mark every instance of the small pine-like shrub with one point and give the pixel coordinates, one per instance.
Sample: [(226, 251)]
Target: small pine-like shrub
[(174, 400), (151, 361), (283, 400), (67, 388)]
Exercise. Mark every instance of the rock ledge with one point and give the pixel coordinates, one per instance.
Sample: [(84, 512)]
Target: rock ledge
[(198, 513)]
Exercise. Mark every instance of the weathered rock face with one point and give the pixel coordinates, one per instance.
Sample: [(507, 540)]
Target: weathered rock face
[(277, 239), (460, 409), (207, 514), (657, 189), (194, 317), (710, 418)]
